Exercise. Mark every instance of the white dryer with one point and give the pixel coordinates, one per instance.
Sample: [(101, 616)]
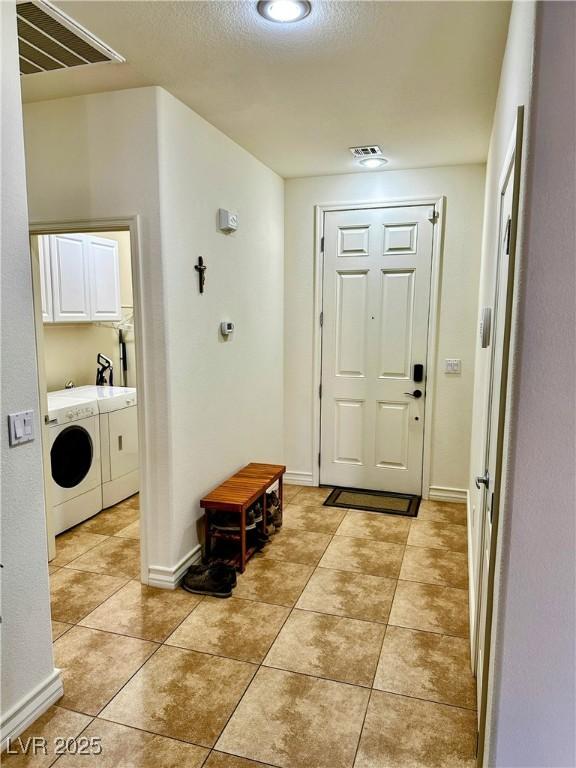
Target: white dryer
[(118, 411), (75, 460)]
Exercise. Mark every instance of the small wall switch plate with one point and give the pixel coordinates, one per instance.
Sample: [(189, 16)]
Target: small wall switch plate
[(227, 220), (452, 365), (21, 427)]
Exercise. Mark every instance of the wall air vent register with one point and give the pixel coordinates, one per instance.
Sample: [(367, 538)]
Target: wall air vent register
[(49, 39)]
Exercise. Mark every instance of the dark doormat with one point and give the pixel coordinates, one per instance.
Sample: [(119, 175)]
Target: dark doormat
[(374, 501)]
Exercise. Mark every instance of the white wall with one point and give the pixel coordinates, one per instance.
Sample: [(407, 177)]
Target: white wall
[(463, 187), (29, 680), (210, 406), (225, 395), (96, 157), (534, 712)]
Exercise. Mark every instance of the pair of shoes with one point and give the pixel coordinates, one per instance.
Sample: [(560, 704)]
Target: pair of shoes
[(210, 579), (258, 539), (273, 503), (229, 521)]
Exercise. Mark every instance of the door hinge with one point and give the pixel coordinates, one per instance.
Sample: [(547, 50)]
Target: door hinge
[(320, 391), (508, 235), (318, 459), (321, 319), (433, 216), (322, 244)]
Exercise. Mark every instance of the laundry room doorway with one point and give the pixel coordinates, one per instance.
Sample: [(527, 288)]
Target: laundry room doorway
[(89, 351)]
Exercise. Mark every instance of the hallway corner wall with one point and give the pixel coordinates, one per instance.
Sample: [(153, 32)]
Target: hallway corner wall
[(211, 405)]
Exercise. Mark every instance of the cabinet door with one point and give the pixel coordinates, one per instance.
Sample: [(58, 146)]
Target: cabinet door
[(104, 278), (70, 278), (45, 278), (123, 441)]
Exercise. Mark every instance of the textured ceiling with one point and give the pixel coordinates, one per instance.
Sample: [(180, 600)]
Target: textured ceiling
[(418, 78)]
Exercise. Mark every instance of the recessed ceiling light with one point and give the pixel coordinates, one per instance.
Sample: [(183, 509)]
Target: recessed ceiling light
[(373, 162), (284, 11)]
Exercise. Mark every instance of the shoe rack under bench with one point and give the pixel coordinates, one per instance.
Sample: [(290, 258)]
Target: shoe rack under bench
[(236, 495)]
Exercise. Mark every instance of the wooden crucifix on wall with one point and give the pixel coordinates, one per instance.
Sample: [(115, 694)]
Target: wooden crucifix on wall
[(201, 269)]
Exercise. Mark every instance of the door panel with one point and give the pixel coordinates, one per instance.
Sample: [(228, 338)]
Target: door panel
[(105, 278), (376, 295), (396, 324), (392, 423), (351, 323), (123, 441), (70, 280), (43, 244), (353, 241), (349, 433)]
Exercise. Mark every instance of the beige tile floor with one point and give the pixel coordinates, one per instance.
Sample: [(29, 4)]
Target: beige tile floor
[(344, 646)]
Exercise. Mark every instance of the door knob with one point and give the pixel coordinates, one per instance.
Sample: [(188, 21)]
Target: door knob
[(416, 394), (483, 480)]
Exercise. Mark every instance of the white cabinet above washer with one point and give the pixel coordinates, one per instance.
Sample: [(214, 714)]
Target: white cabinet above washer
[(80, 278)]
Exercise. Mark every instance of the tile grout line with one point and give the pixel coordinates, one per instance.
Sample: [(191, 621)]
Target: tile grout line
[(260, 665)]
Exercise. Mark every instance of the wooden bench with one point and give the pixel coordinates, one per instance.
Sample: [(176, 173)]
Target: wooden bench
[(237, 495)]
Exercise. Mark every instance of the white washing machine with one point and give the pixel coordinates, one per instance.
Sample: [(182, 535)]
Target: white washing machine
[(75, 460), (118, 418)]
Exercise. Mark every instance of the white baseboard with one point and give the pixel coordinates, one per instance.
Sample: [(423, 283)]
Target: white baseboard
[(169, 578), (440, 493), (30, 708), (299, 478)]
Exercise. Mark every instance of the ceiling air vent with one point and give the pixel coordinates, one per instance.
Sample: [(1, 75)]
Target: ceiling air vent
[(369, 151), (49, 39)]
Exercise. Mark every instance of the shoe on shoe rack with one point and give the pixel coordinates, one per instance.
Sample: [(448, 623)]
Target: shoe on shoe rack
[(208, 580), (256, 511), (229, 521), (274, 508), (276, 515)]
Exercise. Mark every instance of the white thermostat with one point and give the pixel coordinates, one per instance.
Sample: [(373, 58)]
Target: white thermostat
[(226, 328), (227, 220)]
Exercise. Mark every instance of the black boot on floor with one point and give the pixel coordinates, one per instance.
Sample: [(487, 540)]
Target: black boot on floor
[(209, 580)]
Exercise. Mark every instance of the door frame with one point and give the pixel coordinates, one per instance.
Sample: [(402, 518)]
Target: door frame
[(132, 225), (486, 674), (438, 203)]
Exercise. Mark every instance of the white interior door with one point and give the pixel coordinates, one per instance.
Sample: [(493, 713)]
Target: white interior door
[(376, 297), (486, 480)]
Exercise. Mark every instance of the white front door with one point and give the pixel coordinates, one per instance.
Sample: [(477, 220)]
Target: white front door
[(376, 297)]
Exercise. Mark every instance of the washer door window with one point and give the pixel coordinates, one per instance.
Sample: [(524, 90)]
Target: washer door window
[(71, 456)]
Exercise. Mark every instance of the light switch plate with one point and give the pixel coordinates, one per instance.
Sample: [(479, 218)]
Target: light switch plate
[(21, 427), (452, 365)]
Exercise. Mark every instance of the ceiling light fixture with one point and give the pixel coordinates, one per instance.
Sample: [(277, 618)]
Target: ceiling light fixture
[(284, 11), (373, 162)]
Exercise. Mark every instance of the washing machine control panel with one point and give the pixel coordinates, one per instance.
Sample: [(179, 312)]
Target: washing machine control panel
[(73, 414), (62, 410)]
